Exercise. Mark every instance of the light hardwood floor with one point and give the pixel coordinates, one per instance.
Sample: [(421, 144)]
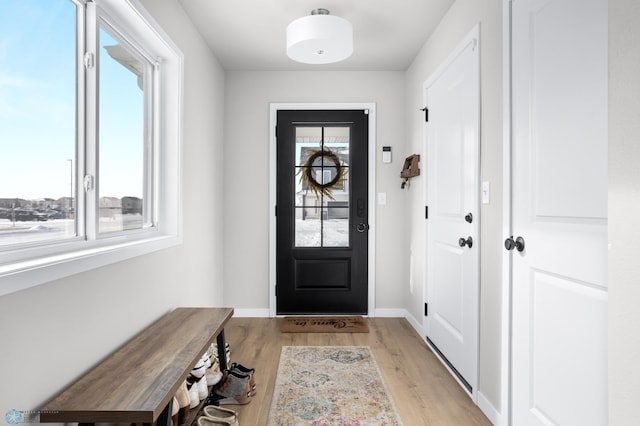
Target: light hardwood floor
[(423, 390)]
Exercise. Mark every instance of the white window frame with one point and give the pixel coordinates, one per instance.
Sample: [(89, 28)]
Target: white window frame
[(34, 264)]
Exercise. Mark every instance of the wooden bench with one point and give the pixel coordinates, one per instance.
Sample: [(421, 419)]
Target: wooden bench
[(136, 384)]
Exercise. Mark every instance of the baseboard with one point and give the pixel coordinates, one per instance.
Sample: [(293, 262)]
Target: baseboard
[(390, 313), (382, 313), (401, 313), (483, 403), (422, 333), (490, 411), (251, 313), (417, 326)]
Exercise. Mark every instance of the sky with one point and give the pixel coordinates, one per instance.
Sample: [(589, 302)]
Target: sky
[(37, 106)]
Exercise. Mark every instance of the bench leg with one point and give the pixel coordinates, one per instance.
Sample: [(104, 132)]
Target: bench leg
[(165, 417), (222, 356)]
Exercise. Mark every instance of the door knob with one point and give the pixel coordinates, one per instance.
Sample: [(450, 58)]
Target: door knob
[(468, 242), (469, 218), (362, 227), (518, 244)]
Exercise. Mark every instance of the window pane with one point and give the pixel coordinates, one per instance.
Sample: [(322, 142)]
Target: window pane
[(37, 120), (308, 140), (336, 228), (308, 229), (121, 185)]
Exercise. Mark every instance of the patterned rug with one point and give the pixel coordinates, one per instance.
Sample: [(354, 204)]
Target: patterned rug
[(330, 385)]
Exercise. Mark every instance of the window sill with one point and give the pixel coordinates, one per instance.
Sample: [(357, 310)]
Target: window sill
[(30, 273)]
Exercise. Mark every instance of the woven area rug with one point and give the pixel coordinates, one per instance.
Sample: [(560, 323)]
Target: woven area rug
[(330, 385), (311, 324)]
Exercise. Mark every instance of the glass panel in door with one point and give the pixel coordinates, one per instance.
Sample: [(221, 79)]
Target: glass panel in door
[(322, 186)]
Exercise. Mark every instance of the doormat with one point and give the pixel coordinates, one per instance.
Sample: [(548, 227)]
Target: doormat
[(311, 324), (330, 385)]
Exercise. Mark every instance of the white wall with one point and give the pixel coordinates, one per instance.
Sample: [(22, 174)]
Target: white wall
[(246, 170), (457, 23), (624, 205), (53, 333)]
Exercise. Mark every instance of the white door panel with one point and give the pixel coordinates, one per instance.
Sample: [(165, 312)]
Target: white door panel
[(452, 138), (559, 67), (449, 312), (564, 363), (559, 207), (557, 328)]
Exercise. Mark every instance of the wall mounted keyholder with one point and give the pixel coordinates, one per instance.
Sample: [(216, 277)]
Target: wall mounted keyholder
[(410, 169), (411, 166)]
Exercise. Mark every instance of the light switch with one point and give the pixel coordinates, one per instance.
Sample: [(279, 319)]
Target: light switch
[(382, 198)]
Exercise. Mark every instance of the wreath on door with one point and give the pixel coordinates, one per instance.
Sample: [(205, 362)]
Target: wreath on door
[(309, 172)]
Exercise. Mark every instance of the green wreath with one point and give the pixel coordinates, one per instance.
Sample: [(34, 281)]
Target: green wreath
[(308, 175)]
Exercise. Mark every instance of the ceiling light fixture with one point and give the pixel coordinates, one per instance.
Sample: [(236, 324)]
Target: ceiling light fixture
[(319, 38)]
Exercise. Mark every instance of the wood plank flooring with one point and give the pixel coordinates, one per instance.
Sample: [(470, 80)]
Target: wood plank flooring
[(423, 390)]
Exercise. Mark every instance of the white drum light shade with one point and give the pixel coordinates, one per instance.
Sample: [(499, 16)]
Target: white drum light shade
[(319, 38)]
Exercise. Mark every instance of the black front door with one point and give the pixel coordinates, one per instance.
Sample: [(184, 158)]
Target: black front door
[(322, 211)]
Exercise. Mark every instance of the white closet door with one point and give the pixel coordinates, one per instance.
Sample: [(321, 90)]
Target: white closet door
[(559, 208)]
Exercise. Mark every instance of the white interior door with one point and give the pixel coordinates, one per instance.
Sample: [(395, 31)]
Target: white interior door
[(559, 208), (453, 246)]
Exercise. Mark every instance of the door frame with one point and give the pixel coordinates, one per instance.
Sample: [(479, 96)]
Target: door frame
[(472, 37), (273, 116), (505, 350)]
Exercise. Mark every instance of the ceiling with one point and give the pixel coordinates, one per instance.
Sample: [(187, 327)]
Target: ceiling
[(251, 34)]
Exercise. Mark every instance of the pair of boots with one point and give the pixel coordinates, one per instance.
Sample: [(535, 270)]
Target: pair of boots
[(237, 387)]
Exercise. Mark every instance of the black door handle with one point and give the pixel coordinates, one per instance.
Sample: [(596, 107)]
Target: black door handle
[(362, 227), (518, 244), (465, 242)]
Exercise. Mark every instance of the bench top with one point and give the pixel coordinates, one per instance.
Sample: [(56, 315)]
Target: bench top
[(135, 383)]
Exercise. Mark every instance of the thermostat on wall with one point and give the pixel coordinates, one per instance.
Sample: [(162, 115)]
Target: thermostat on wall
[(386, 154)]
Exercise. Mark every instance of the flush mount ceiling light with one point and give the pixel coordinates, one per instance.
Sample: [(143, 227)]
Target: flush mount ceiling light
[(319, 38)]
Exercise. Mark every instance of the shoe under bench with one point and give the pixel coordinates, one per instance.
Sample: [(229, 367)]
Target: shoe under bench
[(136, 383)]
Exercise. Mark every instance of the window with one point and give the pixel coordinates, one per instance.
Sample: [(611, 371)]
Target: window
[(124, 80), (89, 172), (37, 121)]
